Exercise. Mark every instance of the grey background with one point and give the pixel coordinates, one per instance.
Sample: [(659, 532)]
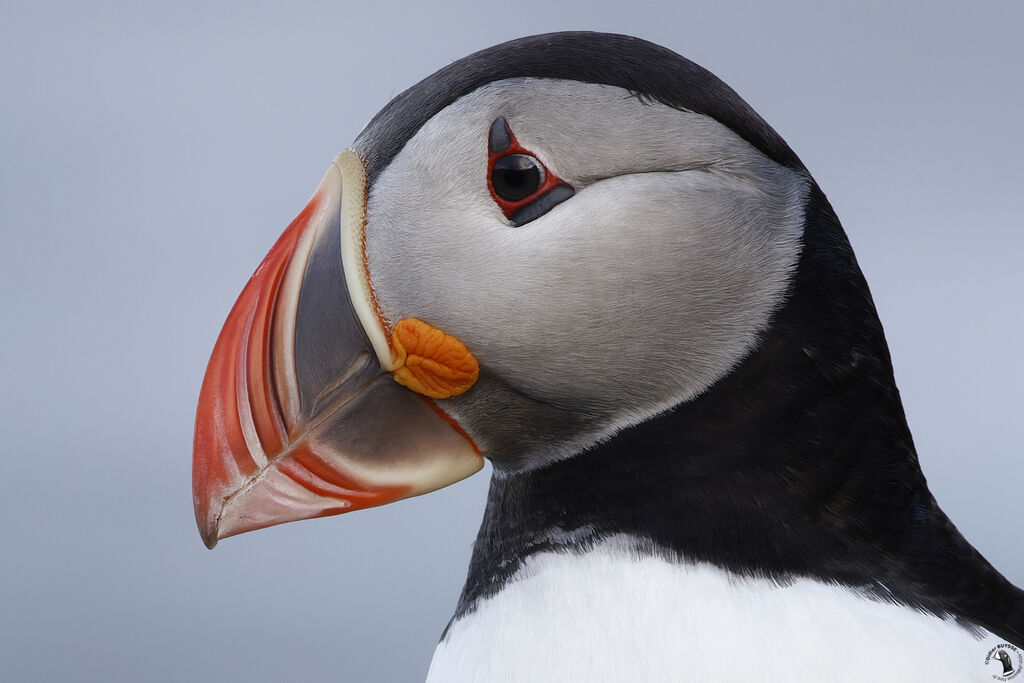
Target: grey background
[(151, 153)]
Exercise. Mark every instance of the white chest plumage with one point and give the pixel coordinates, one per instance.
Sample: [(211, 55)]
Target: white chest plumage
[(609, 615)]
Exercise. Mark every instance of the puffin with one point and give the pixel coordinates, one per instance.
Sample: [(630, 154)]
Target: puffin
[(586, 259)]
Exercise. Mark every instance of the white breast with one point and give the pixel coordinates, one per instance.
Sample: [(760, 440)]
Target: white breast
[(609, 615)]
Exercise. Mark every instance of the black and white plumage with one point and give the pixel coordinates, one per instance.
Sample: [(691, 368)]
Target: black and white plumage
[(684, 387)]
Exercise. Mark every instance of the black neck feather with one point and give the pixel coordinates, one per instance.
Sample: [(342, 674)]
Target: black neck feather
[(799, 463)]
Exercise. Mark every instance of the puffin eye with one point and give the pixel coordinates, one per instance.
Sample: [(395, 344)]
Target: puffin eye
[(516, 176), (520, 184)]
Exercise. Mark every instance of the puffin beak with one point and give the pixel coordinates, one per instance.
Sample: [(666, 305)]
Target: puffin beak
[(297, 417)]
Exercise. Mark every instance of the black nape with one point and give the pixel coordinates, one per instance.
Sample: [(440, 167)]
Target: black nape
[(799, 463)]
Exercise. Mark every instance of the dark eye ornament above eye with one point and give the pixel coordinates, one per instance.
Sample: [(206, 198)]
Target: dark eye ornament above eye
[(522, 187)]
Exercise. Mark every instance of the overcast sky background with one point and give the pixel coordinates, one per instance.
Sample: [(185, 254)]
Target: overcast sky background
[(151, 153)]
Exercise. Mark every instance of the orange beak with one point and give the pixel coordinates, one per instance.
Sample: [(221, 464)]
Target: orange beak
[(297, 418)]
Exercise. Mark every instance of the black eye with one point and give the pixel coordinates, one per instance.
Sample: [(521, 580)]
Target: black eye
[(516, 176)]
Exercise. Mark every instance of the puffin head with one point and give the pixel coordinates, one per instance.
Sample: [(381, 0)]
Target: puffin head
[(531, 250)]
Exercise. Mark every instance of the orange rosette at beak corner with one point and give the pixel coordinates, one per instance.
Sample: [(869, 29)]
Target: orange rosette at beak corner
[(430, 362), (297, 418)]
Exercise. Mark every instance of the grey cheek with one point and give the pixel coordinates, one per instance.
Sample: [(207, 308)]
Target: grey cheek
[(634, 295)]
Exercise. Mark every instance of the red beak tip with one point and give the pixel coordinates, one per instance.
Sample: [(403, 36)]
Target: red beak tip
[(207, 529)]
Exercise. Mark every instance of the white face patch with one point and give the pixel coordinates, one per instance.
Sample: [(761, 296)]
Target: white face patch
[(635, 294)]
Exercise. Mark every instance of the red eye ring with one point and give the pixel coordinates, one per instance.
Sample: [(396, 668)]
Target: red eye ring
[(520, 202)]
